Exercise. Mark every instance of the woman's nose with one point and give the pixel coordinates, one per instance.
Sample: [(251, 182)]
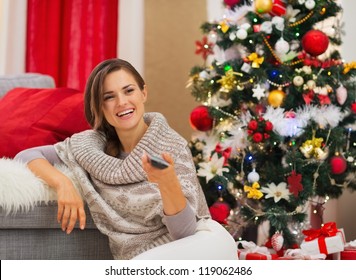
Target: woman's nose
[(121, 100)]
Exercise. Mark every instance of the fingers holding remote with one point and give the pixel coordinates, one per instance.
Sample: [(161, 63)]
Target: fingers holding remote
[(158, 168), (168, 158)]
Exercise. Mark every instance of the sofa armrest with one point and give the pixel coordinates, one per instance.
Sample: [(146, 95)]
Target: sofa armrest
[(28, 80)]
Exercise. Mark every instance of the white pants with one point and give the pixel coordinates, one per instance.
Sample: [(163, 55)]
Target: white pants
[(210, 242)]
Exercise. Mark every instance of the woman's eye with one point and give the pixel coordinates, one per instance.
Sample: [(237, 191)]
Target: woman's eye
[(129, 90), (107, 97)]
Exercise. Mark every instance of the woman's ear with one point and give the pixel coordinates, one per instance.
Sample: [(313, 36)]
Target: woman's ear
[(144, 93)]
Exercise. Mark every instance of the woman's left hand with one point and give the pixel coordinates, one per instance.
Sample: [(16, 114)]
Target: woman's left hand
[(157, 175)]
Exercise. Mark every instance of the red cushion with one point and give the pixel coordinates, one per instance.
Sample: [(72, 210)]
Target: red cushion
[(36, 117)]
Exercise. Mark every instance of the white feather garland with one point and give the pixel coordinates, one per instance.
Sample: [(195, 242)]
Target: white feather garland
[(325, 116)]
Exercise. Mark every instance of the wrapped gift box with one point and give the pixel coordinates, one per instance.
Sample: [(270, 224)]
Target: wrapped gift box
[(250, 251), (327, 240), (349, 252), (348, 255), (256, 256)]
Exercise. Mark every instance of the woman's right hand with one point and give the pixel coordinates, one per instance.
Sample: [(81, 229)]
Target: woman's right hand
[(70, 202), (70, 207)]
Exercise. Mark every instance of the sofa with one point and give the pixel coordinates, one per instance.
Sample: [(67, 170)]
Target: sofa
[(33, 232), (28, 226)]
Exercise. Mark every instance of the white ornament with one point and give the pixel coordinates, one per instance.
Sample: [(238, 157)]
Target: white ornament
[(258, 92), (311, 84), (281, 46), (307, 69), (294, 45), (212, 37), (310, 4), (330, 32), (204, 75), (241, 34), (298, 81), (266, 27), (341, 94), (350, 159), (253, 176), (277, 241), (278, 23), (246, 68), (245, 26)]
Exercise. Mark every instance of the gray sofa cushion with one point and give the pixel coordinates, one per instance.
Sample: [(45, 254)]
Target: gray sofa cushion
[(35, 234), (53, 244), (28, 80), (41, 216)]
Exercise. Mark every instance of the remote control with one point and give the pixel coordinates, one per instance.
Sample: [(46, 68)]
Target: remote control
[(157, 162)]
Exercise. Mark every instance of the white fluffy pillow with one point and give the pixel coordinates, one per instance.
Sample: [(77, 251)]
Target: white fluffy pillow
[(20, 189)]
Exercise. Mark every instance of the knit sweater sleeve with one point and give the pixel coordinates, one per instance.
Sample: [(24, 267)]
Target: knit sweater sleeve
[(45, 152)]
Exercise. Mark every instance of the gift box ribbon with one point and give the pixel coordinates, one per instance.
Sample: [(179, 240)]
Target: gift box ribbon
[(298, 254), (251, 247), (327, 230)]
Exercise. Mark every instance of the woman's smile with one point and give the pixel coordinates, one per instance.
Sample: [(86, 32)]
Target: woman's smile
[(126, 114)]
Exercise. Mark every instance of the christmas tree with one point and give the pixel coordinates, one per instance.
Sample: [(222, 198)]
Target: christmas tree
[(276, 124)]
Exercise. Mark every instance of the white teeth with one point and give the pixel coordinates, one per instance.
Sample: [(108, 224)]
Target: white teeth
[(125, 112)]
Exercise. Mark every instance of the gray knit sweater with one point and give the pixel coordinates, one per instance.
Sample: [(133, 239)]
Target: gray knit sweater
[(124, 205)]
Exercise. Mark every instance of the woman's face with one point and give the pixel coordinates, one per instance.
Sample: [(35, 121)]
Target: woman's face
[(123, 101)]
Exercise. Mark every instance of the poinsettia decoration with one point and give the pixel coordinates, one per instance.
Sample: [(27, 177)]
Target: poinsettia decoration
[(294, 182), (204, 47), (224, 152)]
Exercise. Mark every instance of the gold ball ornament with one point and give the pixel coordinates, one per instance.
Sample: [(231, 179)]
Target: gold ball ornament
[(276, 98), (263, 6)]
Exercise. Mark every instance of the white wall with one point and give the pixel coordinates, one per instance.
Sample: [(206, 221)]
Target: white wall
[(348, 47), (12, 36), (346, 204), (131, 33)]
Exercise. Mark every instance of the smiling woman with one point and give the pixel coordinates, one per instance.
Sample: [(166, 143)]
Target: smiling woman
[(137, 205)]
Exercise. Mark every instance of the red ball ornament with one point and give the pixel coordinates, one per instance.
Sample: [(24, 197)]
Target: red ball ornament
[(231, 3), (338, 165), (200, 118), (257, 137), (253, 125), (315, 42), (219, 212), (279, 8), (353, 107), (268, 126)]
